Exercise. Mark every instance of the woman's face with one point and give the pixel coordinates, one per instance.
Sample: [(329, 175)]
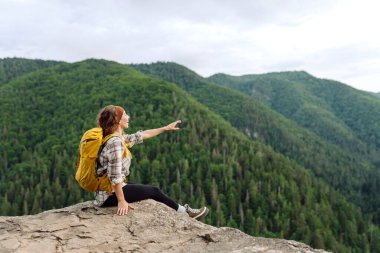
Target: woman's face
[(124, 121)]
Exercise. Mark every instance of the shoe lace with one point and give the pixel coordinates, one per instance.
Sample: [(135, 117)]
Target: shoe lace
[(193, 210)]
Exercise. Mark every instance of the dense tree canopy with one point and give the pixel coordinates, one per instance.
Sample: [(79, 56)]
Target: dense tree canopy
[(347, 165), (245, 183)]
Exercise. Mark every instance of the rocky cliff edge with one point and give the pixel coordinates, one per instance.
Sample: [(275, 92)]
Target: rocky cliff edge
[(151, 227)]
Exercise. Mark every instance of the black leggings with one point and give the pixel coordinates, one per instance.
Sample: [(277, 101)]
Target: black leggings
[(135, 192)]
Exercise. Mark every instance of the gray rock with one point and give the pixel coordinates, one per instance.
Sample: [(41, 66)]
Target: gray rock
[(151, 227)]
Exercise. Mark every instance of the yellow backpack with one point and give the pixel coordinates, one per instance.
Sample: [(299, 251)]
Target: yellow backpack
[(89, 150)]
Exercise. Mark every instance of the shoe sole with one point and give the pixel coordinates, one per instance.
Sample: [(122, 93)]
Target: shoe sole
[(202, 214)]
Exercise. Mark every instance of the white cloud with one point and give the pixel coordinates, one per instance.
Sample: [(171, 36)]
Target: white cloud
[(331, 39)]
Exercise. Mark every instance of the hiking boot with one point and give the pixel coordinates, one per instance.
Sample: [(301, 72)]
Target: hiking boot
[(196, 213)]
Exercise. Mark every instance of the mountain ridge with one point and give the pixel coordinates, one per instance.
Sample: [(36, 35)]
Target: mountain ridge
[(14, 67), (260, 122), (302, 90)]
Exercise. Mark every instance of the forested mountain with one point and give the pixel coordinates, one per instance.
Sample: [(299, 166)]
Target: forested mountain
[(14, 67), (346, 169), (245, 183), (377, 94), (338, 113)]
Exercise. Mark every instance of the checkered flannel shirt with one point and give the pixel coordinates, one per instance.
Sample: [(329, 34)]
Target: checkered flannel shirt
[(110, 160)]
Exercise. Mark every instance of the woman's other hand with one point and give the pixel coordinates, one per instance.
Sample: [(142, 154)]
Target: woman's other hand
[(122, 207)]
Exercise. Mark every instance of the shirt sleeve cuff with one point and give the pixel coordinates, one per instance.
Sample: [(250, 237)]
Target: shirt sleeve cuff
[(117, 180), (140, 137)]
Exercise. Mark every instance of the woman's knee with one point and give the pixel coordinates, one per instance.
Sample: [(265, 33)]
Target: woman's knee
[(155, 191)]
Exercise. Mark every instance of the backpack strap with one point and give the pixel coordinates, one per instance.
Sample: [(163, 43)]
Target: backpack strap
[(104, 142)]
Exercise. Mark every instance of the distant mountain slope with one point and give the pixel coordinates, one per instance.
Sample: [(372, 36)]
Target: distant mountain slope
[(377, 94), (246, 184), (338, 113), (344, 169), (14, 67)]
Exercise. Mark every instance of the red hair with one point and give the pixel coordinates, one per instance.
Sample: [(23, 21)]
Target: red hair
[(109, 117)]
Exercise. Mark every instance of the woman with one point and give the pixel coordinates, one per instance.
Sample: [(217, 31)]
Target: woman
[(113, 119)]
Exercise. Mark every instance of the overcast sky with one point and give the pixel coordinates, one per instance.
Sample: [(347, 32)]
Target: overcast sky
[(336, 39)]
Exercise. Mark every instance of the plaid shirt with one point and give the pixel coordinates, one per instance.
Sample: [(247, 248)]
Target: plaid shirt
[(110, 161)]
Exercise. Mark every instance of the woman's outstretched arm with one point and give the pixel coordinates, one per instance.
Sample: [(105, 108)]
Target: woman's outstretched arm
[(154, 132)]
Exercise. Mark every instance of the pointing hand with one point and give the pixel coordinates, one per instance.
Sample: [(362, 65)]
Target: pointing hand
[(172, 126)]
